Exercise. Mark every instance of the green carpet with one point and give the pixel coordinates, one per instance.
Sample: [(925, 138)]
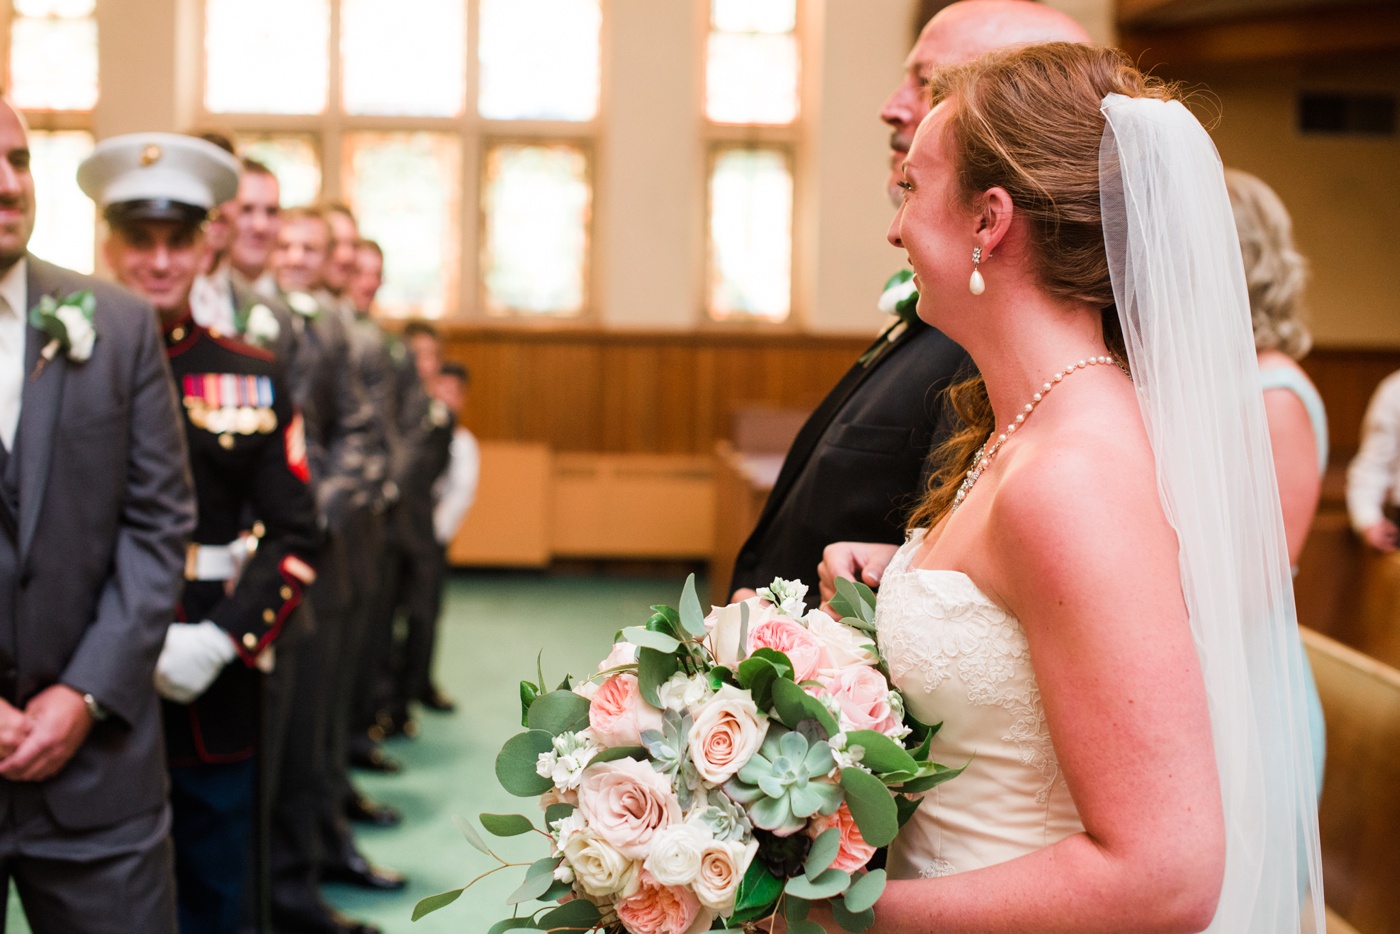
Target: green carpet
[(493, 626)]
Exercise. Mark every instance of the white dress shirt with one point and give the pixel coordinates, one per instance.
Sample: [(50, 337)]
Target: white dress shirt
[(14, 310), (211, 302), (1373, 479), (456, 488)]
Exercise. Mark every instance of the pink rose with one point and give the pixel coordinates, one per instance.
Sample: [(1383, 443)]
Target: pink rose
[(864, 696), (625, 803), (662, 909), (617, 715), (791, 638), (725, 734), (854, 853), (623, 653)]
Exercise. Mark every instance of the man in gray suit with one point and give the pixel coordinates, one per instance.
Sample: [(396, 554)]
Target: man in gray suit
[(95, 508)]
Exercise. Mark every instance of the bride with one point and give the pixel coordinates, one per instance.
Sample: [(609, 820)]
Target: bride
[(1097, 601)]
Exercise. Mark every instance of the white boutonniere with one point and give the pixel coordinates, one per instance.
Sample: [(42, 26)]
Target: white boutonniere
[(303, 304), (258, 325), (67, 323)]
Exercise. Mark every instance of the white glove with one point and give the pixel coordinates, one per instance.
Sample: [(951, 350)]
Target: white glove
[(192, 658)]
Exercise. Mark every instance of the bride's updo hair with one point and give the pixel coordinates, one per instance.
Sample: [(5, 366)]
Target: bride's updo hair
[(1027, 120)]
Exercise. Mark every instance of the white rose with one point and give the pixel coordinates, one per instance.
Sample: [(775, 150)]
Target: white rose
[(586, 689), (724, 623), (722, 867), (674, 857), (727, 731), (623, 653), (844, 646), (81, 335), (262, 324), (891, 297), (681, 691), (598, 867)]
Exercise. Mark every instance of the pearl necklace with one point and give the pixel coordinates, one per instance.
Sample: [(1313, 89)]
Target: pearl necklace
[(983, 458)]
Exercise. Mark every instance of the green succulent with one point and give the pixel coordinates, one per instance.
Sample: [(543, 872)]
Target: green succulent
[(780, 785)]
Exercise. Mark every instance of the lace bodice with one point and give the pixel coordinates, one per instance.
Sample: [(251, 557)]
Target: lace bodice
[(961, 660)]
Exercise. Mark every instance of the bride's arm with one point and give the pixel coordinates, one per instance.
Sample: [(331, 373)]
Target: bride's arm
[(1080, 552)]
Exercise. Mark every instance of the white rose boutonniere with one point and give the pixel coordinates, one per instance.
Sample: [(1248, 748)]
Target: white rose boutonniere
[(67, 323), (259, 325)]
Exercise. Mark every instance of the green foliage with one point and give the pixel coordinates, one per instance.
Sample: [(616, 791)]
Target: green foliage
[(613, 753), (760, 670), (906, 806), (649, 639), (779, 784), (823, 852), (855, 921), (872, 806), (557, 812), (932, 774), (828, 884), (882, 754), (515, 765), (528, 693), (577, 915), (538, 880), (512, 924), (793, 705), (653, 668), (855, 603), (865, 890), (470, 833), (432, 903), (805, 927), (756, 893), (506, 825), (558, 712), (692, 616)]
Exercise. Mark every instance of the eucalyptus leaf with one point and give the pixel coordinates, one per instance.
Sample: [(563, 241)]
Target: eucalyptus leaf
[(823, 852), (939, 775), (510, 924), (646, 639), (794, 705), (906, 807), (515, 765), (432, 903), (856, 604), (828, 884), (864, 891), (472, 836), (795, 909), (558, 712), (805, 927), (872, 806), (557, 812), (557, 891), (577, 915), (882, 754), (653, 669), (506, 825), (692, 615), (854, 921), (538, 880)]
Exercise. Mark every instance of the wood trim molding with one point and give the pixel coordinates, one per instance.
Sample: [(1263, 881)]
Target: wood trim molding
[(1291, 35)]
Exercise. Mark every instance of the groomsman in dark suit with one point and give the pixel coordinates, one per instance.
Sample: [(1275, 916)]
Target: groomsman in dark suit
[(95, 508), (248, 460), (860, 462)]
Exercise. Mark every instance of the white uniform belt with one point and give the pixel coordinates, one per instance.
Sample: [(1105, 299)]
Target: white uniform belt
[(214, 562)]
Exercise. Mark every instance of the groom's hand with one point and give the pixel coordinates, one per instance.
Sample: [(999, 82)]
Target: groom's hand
[(14, 727), (59, 722), (857, 561)]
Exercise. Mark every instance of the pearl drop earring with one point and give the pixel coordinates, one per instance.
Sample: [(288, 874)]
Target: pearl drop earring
[(976, 284)]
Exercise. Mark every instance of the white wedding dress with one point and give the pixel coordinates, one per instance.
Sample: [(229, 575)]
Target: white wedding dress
[(961, 660)]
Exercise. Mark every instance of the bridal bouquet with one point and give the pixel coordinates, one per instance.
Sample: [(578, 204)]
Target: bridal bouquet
[(715, 773)]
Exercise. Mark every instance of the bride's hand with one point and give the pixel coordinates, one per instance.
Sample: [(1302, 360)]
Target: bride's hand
[(858, 561)]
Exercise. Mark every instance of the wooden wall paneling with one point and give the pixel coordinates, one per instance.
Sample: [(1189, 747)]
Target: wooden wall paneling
[(508, 524), (653, 506), (1346, 377)]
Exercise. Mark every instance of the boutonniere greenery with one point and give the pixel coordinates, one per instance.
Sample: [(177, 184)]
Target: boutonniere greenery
[(257, 324), (67, 323), (901, 300)]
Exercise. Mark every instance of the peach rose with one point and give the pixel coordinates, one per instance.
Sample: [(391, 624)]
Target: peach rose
[(722, 868), (864, 697), (625, 803), (724, 623), (725, 734), (791, 638), (662, 909), (617, 715), (854, 853)]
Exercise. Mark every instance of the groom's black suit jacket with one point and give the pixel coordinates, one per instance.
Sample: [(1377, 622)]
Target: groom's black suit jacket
[(857, 466)]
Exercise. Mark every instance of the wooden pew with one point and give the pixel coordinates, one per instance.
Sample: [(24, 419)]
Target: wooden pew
[(1360, 809)]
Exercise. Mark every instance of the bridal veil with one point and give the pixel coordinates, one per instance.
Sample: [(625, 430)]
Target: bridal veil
[(1179, 285)]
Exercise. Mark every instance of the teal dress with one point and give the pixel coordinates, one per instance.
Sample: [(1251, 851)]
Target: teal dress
[(1294, 382)]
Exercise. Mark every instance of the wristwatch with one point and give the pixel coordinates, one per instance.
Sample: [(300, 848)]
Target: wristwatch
[(95, 710)]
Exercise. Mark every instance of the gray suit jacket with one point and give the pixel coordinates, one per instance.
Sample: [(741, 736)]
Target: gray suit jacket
[(104, 509)]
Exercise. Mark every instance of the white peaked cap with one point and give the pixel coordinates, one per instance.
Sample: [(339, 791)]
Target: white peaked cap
[(159, 167)]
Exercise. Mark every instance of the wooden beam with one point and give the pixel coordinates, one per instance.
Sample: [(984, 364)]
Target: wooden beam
[(1304, 34)]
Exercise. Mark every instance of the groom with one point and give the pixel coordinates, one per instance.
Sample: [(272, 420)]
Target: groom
[(859, 463), (95, 507)]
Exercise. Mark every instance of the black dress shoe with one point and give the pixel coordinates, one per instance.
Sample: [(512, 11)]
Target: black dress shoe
[(375, 761), (365, 810), (358, 871), (435, 699), (326, 920)]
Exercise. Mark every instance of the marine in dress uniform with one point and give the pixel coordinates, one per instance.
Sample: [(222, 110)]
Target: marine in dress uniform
[(247, 460)]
